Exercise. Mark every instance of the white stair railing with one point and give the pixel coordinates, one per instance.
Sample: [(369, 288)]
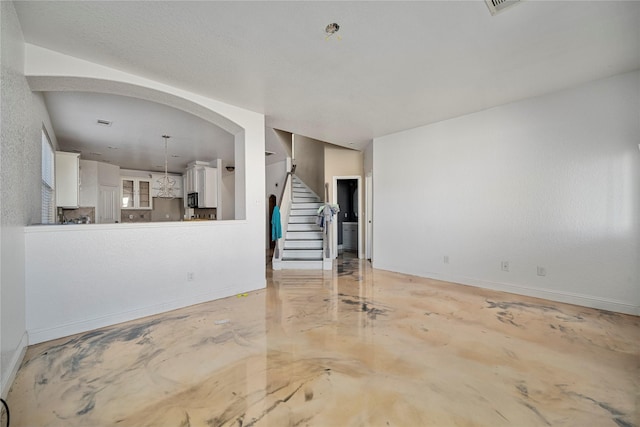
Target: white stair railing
[(285, 209)]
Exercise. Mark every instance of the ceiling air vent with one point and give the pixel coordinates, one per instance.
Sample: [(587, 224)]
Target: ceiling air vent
[(496, 6), (104, 122)]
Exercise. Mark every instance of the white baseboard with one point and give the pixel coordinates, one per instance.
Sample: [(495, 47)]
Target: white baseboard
[(548, 294), (14, 364), (46, 334)]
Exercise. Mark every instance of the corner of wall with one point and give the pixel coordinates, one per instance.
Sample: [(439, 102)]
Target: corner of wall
[(14, 365)]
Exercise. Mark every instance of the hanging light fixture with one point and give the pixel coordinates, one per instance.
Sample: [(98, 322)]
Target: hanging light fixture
[(331, 29), (166, 183)]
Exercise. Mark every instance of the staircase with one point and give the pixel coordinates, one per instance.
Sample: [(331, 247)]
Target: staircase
[(303, 240)]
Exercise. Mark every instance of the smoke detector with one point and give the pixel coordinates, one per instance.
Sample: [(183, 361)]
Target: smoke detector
[(496, 6)]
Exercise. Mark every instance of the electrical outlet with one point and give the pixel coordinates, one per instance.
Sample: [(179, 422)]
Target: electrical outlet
[(504, 266), (446, 259), (542, 271), (190, 276)]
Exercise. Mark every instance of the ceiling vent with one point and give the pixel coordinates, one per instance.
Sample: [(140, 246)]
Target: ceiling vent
[(496, 6), (104, 122)]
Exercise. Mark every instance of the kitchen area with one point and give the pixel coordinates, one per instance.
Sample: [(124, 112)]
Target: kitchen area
[(94, 192), (120, 160)]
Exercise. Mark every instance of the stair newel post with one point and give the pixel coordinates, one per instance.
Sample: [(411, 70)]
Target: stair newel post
[(328, 231)]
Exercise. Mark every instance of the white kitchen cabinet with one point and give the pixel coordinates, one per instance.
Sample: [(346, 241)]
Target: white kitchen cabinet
[(67, 179), (189, 181), (88, 183), (207, 187), (201, 178), (135, 193)]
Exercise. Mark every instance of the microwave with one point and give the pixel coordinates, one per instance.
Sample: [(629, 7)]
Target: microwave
[(192, 200)]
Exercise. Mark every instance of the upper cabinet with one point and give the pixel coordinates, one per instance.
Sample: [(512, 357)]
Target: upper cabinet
[(136, 193), (207, 187), (201, 178), (67, 179)]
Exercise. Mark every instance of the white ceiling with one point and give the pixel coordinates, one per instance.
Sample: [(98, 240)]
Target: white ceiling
[(398, 65), (134, 138)]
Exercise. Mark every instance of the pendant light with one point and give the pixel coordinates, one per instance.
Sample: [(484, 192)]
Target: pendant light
[(166, 183)]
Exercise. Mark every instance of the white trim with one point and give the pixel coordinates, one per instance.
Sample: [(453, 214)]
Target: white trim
[(548, 294), (46, 334), (301, 265), (368, 216), (59, 228), (15, 364), (360, 215)]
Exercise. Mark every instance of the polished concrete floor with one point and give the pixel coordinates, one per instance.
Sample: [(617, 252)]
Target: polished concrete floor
[(351, 347)]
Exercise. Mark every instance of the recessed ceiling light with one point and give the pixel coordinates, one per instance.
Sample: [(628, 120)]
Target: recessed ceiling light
[(102, 122)]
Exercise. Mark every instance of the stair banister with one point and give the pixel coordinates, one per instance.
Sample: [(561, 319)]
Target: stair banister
[(284, 204), (287, 180)]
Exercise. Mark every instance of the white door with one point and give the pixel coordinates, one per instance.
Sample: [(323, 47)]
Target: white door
[(108, 205), (368, 183)]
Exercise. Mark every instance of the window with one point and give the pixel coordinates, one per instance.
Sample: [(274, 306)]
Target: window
[(48, 181)]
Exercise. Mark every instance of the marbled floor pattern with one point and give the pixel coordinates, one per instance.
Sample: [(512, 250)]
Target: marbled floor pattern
[(352, 347)]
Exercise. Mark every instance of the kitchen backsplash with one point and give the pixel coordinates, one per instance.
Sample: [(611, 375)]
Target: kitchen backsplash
[(163, 210), (135, 215), (167, 210)]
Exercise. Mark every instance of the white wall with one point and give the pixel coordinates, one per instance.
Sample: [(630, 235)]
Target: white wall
[(308, 156), (22, 116), (125, 271), (552, 181), (101, 274), (275, 174), (368, 159), (340, 161), (228, 195)]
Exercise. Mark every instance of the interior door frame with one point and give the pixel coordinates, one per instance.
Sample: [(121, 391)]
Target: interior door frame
[(334, 246), (368, 184)]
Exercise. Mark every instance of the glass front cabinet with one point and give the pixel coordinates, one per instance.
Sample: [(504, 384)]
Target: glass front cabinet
[(136, 193)]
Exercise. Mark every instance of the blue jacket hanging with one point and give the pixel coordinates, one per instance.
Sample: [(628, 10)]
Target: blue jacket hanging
[(276, 226)]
